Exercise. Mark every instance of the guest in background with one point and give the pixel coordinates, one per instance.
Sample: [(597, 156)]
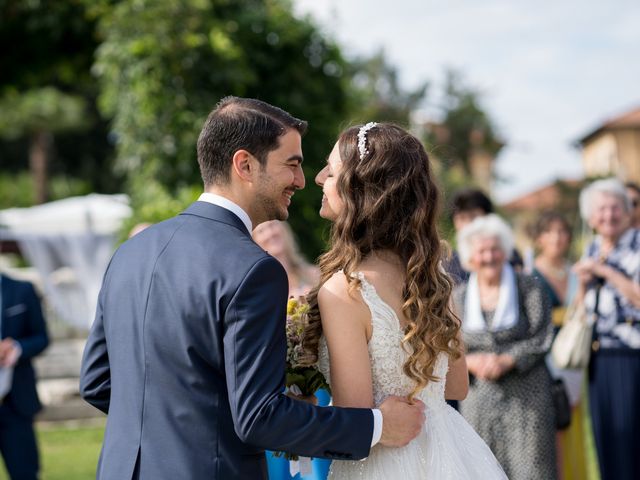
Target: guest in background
[(609, 284), (633, 192), (552, 237), (506, 325), (24, 335), (277, 239), (467, 205)]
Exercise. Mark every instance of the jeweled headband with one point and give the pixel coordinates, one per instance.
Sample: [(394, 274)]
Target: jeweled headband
[(362, 139)]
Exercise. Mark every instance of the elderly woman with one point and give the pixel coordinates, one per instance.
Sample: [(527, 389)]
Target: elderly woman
[(277, 238), (506, 325), (609, 283)]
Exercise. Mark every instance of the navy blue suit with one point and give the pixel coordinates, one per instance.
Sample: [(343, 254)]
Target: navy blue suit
[(22, 320), (187, 357)]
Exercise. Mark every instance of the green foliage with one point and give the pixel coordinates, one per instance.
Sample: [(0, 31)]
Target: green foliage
[(377, 94), (42, 109), (464, 129), (16, 190), (161, 66), (46, 84), (164, 64), (465, 126), (46, 43)]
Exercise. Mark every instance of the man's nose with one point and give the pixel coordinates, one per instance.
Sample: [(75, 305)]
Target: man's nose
[(298, 179)]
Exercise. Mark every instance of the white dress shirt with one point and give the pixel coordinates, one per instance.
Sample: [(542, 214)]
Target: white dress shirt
[(228, 205)]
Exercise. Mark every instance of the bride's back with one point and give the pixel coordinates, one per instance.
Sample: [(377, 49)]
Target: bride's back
[(381, 278), (386, 274)]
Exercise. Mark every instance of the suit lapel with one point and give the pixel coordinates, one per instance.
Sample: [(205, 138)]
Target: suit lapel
[(5, 301), (216, 213)]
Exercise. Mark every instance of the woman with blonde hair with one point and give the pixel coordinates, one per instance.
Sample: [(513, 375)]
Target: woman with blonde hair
[(380, 321), (277, 239)]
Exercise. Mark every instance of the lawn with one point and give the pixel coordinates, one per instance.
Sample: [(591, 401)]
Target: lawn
[(67, 451)]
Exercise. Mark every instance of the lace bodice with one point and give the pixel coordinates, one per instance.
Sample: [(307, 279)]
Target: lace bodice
[(387, 355)]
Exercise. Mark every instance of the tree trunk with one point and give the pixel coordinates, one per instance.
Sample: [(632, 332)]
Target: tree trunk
[(39, 151)]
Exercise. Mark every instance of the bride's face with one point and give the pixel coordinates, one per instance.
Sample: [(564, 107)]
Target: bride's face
[(327, 178)]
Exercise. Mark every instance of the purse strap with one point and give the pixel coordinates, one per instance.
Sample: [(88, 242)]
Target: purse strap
[(595, 344)]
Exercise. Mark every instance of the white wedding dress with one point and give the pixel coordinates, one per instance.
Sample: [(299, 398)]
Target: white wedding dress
[(447, 449)]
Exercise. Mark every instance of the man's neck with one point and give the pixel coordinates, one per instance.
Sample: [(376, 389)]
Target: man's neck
[(236, 201), (233, 196)]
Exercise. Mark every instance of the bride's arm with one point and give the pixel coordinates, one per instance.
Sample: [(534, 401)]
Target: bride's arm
[(457, 385), (345, 322)]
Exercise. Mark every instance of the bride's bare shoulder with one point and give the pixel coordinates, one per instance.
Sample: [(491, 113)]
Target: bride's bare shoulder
[(336, 285)]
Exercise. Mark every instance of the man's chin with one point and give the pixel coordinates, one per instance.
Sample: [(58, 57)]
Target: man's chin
[(282, 214)]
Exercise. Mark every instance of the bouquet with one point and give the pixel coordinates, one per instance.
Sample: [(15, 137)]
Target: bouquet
[(302, 380)]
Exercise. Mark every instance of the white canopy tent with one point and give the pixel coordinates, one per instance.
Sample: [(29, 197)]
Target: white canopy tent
[(69, 242)]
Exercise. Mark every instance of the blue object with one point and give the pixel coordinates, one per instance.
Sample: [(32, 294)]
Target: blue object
[(279, 466)]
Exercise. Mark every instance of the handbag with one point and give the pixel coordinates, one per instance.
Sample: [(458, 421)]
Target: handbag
[(561, 404), (572, 346)]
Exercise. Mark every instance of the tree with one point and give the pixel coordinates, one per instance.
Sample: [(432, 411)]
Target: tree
[(46, 87), (377, 94), (164, 64), (38, 114), (467, 128)]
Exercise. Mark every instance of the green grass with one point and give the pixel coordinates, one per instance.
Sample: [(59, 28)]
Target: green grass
[(67, 452)]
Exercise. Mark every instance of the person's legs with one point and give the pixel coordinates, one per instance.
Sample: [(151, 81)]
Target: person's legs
[(18, 445), (614, 387)]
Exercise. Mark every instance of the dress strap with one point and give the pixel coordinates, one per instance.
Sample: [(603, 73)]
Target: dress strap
[(378, 307)]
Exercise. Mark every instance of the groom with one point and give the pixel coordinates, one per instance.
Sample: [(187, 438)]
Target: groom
[(187, 351)]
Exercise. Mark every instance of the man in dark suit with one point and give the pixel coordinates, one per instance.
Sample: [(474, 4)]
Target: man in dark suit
[(187, 351), (24, 335)]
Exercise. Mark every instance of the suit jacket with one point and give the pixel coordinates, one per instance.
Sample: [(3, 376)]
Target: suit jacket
[(187, 357), (22, 320)]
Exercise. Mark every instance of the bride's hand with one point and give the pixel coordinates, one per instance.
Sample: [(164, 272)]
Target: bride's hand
[(302, 398)]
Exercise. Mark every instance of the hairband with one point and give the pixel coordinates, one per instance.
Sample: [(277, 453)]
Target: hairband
[(362, 139)]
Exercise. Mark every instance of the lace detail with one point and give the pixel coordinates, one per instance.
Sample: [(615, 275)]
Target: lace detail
[(387, 354), (447, 449)]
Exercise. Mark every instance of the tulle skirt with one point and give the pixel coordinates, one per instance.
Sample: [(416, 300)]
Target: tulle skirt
[(447, 449)]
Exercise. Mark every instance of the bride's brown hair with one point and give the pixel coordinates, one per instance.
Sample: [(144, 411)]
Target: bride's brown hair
[(391, 202)]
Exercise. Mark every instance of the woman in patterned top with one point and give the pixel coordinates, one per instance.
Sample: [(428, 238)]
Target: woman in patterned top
[(609, 275), (506, 325)]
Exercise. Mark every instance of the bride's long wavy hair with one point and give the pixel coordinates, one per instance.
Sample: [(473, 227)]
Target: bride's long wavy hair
[(392, 203)]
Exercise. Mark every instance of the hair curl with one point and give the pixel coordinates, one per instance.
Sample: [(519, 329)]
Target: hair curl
[(392, 203)]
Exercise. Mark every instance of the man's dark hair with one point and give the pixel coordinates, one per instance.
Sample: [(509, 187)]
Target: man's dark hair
[(241, 124), (470, 199)]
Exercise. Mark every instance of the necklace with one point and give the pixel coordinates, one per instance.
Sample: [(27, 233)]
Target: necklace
[(557, 273)]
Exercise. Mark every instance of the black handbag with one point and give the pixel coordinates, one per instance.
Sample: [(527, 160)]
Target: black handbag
[(561, 404)]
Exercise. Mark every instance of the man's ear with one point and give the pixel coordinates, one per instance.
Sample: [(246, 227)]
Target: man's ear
[(244, 165)]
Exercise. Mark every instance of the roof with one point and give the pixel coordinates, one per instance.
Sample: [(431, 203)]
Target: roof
[(630, 119), (543, 198)]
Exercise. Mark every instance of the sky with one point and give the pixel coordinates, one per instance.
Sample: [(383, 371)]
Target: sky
[(548, 72)]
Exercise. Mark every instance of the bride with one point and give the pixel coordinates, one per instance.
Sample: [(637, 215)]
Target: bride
[(380, 322)]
